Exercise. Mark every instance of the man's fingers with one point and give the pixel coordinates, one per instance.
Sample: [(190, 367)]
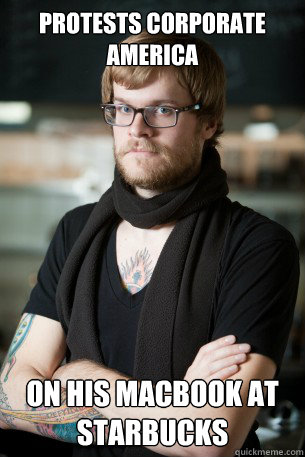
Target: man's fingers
[(221, 351), (233, 360), (227, 351), (214, 345), (223, 374), (217, 357)]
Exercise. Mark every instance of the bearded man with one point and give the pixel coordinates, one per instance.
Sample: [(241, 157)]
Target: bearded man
[(164, 277)]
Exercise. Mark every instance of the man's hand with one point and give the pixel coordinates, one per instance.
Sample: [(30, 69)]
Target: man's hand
[(219, 359)]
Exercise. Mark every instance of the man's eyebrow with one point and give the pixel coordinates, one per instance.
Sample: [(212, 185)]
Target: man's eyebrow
[(153, 102)]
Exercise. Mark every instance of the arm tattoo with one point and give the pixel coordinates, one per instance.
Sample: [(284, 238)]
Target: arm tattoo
[(5, 407), (20, 335), (10, 360), (136, 273), (58, 423)]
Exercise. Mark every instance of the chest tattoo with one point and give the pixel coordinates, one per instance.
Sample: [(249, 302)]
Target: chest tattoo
[(136, 272)]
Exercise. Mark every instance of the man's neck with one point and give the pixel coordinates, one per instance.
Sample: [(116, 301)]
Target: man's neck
[(145, 193), (146, 235)]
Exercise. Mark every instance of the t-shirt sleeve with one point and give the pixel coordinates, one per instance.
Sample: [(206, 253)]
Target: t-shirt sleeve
[(42, 297), (257, 296)]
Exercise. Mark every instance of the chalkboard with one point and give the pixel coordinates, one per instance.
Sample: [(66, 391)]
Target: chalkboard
[(265, 68)]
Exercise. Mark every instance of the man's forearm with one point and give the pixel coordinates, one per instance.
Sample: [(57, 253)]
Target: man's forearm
[(57, 423)]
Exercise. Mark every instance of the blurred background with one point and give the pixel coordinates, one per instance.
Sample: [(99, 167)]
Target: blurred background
[(56, 152)]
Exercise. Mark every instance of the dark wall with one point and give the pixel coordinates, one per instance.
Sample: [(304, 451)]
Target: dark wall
[(66, 68)]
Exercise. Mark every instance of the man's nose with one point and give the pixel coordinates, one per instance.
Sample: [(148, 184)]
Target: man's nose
[(139, 127)]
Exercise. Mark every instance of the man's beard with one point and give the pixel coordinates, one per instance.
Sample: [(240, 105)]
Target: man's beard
[(173, 169)]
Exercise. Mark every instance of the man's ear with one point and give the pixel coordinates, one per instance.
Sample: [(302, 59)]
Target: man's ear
[(208, 129)]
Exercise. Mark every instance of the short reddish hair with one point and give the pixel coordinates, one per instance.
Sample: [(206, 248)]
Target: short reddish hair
[(206, 81)]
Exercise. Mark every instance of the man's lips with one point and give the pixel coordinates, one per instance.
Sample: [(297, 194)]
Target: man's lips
[(143, 151)]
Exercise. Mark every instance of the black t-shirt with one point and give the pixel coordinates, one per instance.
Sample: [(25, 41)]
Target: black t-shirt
[(255, 292)]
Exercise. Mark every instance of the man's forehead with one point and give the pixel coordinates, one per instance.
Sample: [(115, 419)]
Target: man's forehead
[(164, 87)]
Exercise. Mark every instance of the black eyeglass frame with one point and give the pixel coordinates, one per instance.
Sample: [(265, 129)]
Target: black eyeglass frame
[(196, 106)]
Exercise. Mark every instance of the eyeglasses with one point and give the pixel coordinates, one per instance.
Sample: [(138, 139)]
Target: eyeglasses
[(121, 115)]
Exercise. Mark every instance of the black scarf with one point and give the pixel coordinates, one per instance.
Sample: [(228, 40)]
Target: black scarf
[(175, 318)]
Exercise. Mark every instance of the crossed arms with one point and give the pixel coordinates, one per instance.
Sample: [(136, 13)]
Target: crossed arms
[(38, 350)]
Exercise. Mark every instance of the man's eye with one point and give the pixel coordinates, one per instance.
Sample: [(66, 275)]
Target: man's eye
[(163, 110), (124, 109)]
